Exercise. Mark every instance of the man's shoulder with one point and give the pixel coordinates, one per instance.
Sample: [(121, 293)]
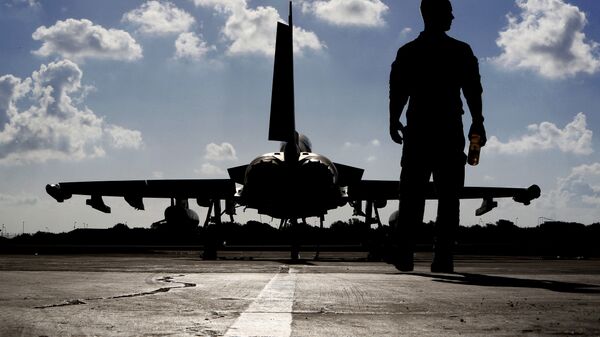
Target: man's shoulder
[(408, 48), (423, 44), (421, 40), (458, 44), (409, 45)]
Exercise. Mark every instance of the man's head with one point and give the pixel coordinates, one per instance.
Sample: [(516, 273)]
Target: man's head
[(437, 15)]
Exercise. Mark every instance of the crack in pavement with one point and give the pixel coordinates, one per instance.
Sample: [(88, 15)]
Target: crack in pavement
[(165, 279)]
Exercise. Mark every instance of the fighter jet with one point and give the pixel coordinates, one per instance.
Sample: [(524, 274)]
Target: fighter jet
[(292, 183)]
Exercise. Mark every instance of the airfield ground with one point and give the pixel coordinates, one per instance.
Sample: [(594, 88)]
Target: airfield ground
[(263, 294)]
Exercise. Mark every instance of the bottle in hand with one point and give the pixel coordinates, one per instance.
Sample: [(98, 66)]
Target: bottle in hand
[(474, 149)]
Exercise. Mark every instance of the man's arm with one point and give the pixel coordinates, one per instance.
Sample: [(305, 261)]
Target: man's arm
[(472, 91), (398, 99)]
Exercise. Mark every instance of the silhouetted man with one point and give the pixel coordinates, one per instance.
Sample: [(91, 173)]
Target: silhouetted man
[(429, 74)]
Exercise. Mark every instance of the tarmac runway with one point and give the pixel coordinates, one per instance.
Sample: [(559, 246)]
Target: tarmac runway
[(178, 294)]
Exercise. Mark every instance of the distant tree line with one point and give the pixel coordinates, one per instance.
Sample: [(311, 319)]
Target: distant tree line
[(552, 239)]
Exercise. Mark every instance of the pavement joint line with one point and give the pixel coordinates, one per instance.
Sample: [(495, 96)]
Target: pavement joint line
[(270, 314)]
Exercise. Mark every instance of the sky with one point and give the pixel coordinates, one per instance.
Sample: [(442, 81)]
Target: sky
[(130, 89)]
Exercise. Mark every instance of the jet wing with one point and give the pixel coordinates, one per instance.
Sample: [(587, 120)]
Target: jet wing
[(379, 190), (135, 190)]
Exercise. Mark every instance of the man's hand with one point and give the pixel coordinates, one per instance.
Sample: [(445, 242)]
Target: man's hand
[(477, 128), (397, 131)]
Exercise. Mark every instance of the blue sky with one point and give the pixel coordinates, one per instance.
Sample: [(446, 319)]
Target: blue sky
[(107, 90)]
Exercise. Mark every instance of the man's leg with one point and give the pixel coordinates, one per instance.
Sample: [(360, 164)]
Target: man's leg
[(413, 180), (448, 180)]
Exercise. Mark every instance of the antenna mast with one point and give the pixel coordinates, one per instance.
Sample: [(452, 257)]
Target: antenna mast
[(290, 16)]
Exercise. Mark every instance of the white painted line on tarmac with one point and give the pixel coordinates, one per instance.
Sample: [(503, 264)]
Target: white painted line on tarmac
[(270, 315)]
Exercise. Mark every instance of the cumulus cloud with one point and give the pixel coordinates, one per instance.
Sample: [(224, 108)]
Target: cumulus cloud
[(581, 188), (122, 138), (252, 31), (11, 89), (208, 169), (191, 46), (160, 18), (575, 138), (54, 127), (81, 39), (365, 13), (305, 40), (163, 18), (216, 152), (548, 38)]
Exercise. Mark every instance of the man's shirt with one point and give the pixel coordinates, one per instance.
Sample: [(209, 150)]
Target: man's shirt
[(431, 71)]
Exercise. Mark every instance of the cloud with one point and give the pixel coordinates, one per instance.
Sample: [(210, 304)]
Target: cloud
[(364, 13), (20, 3), (11, 89), (371, 143), (53, 127), (26, 200), (548, 38), (159, 18), (305, 40), (574, 138), (368, 149), (215, 152), (405, 32), (81, 39), (208, 169), (164, 18), (190, 46), (581, 188), (252, 31), (122, 138)]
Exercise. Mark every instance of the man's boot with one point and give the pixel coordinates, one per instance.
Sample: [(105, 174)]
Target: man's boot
[(443, 259), (403, 260)]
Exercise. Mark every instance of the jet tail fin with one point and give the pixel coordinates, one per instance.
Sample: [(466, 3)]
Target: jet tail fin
[(282, 125)]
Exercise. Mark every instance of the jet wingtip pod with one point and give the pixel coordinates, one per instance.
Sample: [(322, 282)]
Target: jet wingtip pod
[(531, 193), (56, 192)]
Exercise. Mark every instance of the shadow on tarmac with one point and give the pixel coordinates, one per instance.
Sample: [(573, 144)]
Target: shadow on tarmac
[(503, 281)]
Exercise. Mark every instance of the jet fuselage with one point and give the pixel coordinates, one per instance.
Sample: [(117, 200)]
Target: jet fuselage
[(306, 186)]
